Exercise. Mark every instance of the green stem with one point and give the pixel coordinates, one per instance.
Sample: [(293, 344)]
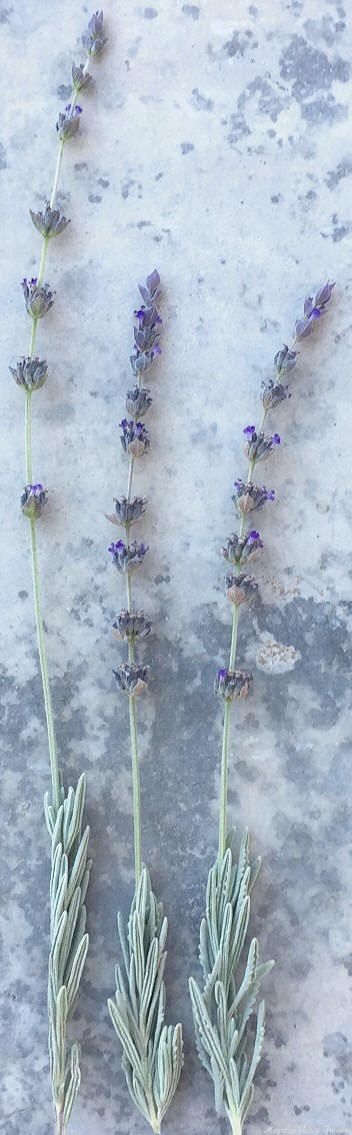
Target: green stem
[(136, 783), (54, 768), (136, 791), (28, 436), (42, 261), (225, 744), (56, 174)]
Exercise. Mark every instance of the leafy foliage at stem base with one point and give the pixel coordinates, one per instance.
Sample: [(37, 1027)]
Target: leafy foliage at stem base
[(70, 869), (152, 1052), (222, 1010)]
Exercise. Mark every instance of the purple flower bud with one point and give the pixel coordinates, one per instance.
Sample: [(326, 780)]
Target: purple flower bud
[(49, 222), (323, 295), (93, 39), (31, 373), (33, 500), (127, 557), (240, 588), (138, 401), (127, 511), (240, 549), (134, 437), (273, 393), (38, 300), (249, 497), (131, 625), (81, 79), (131, 678), (231, 684), (68, 122), (285, 360), (258, 446)]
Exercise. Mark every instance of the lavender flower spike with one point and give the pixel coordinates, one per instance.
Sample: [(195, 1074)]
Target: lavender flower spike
[(232, 973), (152, 1053)]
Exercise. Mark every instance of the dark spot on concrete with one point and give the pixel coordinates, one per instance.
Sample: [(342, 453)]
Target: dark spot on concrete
[(158, 176), (200, 101), (94, 198), (64, 91), (5, 14), (80, 167), (235, 46), (103, 182), (2, 157), (186, 147), (161, 579), (310, 69), (275, 199), (150, 13), (191, 10), (143, 224), (343, 169), (23, 594), (324, 109), (327, 29), (270, 101)]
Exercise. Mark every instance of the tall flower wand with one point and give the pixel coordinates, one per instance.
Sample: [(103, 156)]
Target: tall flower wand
[(64, 810), (152, 1051), (229, 998)]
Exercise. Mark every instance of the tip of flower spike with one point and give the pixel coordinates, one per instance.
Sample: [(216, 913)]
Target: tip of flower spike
[(249, 431)]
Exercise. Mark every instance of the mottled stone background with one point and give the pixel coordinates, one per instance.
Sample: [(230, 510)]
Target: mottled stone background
[(217, 147)]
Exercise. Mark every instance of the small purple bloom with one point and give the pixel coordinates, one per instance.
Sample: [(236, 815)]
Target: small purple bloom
[(323, 295), (38, 300), (93, 39), (240, 588), (285, 360), (231, 684), (127, 511), (240, 549), (33, 500), (134, 437), (250, 497), (131, 625), (127, 557), (68, 122), (257, 445), (273, 393), (131, 678)]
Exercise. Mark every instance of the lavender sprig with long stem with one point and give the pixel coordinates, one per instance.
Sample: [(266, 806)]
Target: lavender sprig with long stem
[(228, 1000), (152, 1051), (70, 866)]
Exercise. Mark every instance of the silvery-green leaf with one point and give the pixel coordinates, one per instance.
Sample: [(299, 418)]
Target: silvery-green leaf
[(77, 970), (123, 1034), (79, 865)]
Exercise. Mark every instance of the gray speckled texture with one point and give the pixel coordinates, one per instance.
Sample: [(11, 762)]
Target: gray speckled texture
[(218, 147)]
